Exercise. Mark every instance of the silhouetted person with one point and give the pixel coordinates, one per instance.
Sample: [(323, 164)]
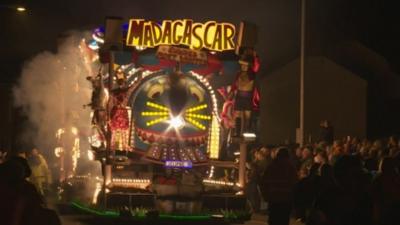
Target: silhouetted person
[(257, 168), (277, 187), (307, 161), (306, 191), (326, 132), (326, 181), (348, 202), (371, 162), (20, 202), (386, 193)]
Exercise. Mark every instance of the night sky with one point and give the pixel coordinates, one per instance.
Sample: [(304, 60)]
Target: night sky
[(372, 23), (362, 35)]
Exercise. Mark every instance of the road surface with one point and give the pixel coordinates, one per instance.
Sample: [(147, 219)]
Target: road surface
[(257, 219)]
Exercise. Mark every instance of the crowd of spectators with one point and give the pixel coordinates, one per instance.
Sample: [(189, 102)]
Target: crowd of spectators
[(342, 182), (349, 181)]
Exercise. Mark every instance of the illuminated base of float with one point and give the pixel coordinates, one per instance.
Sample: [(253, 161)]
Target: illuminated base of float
[(213, 201), (185, 199), (218, 209), (211, 196)]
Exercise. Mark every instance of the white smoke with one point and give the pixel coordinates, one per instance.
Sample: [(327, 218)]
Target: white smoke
[(52, 91)]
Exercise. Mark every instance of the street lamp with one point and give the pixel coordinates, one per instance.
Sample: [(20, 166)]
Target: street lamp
[(21, 9), (18, 8)]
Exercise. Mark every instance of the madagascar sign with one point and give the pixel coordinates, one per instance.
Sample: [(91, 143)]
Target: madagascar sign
[(210, 35)]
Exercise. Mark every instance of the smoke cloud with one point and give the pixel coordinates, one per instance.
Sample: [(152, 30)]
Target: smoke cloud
[(52, 91)]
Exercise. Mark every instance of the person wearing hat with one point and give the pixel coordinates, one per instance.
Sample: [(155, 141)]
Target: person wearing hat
[(244, 91)]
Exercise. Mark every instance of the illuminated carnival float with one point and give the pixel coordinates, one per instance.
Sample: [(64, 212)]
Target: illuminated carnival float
[(162, 116)]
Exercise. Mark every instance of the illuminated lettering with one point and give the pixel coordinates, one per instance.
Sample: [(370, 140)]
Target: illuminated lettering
[(166, 32), (198, 42), (207, 34), (229, 33), (177, 37), (148, 36), (211, 35), (156, 32), (187, 33), (218, 38), (135, 34)]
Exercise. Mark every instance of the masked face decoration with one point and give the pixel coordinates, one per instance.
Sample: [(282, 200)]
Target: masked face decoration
[(172, 116)]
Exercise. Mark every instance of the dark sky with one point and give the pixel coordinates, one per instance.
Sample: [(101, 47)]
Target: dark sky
[(369, 23)]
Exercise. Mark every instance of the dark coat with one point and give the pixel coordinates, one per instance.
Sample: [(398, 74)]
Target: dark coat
[(278, 181)]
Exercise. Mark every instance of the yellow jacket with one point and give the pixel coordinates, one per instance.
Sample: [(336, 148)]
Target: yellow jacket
[(40, 171)]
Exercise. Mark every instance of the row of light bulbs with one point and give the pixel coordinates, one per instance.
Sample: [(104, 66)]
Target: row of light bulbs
[(156, 106), (197, 108), (155, 113), (218, 182), (124, 180), (198, 116), (197, 124)]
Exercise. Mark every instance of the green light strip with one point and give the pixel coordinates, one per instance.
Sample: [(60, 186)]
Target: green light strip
[(113, 214), (93, 211)]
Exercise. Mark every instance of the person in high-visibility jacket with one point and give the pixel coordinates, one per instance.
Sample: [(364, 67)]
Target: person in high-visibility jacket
[(40, 176)]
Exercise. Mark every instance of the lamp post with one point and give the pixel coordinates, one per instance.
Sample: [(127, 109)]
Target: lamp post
[(302, 71)]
